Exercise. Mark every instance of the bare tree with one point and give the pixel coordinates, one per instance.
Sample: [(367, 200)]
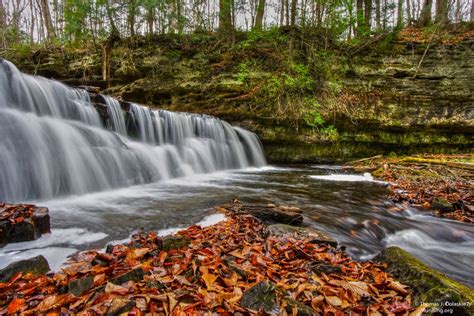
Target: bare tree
[(425, 15), (400, 13), (260, 13), (441, 11)]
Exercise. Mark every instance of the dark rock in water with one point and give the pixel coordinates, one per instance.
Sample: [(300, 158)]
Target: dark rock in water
[(132, 275), (270, 213), (261, 296), (37, 265), (22, 222), (442, 205), (315, 236), (428, 285), (174, 242), (79, 286), (41, 220), (23, 231)]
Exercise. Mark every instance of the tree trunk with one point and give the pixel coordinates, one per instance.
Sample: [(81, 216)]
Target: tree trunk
[(260, 13), (293, 13), (48, 22), (377, 15), (360, 15), (408, 12), (113, 28), (367, 14), (472, 11), (150, 20), (3, 25), (225, 16), (441, 11), (400, 14), (425, 15)]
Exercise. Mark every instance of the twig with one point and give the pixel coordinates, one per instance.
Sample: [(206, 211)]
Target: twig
[(424, 54)]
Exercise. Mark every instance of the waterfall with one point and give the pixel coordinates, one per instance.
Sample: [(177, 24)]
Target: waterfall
[(54, 143), (116, 118)]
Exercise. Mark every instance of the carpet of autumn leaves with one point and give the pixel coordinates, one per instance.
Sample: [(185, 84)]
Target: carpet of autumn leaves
[(419, 180), (209, 275)]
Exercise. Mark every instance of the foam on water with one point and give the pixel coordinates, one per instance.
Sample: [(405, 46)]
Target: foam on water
[(55, 247), (366, 177)]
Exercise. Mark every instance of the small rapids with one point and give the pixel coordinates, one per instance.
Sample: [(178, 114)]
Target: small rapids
[(356, 214)]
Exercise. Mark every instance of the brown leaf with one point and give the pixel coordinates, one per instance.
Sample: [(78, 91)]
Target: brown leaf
[(397, 286), (115, 289), (334, 300)]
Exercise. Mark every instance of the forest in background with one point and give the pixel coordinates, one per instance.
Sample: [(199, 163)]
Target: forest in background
[(80, 21)]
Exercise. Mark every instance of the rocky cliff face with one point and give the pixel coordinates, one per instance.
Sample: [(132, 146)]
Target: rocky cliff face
[(416, 99), (408, 99)]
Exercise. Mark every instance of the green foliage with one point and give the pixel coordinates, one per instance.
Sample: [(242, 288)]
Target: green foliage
[(255, 36), (313, 117), (243, 71)]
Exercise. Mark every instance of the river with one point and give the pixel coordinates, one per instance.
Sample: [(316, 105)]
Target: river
[(353, 209)]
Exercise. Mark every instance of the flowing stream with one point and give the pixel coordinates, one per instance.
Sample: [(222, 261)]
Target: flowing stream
[(161, 170)]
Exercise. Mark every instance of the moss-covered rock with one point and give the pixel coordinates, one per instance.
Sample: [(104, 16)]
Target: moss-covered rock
[(428, 285), (37, 265)]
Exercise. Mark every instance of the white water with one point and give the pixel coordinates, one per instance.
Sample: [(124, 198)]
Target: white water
[(366, 177), (54, 144)]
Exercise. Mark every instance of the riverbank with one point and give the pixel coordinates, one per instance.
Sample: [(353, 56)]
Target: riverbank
[(239, 265), (440, 183)]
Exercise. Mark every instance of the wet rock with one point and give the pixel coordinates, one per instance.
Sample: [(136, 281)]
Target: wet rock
[(442, 205), (37, 265), (22, 222), (79, 286), (174, 242), (269, 213), (428, 285), (261, 296), (132, 275), (315, 236)]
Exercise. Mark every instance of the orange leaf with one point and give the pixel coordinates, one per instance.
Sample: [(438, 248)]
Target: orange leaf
[(15, 305), (209, 279)]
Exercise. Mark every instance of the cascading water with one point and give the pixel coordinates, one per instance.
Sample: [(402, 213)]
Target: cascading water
[(54, 143), (116, 116)]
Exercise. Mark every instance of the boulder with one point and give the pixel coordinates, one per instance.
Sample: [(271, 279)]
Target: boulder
[(37, 265), (427, 284), (22, 222)]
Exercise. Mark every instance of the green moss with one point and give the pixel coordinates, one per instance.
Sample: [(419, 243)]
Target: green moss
[(428, 285)]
